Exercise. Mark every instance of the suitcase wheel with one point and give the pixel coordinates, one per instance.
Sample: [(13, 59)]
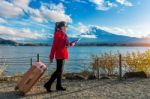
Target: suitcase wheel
[(22, 93), (16, 88)]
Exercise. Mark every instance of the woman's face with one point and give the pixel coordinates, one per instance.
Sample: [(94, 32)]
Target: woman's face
[(64, 28)]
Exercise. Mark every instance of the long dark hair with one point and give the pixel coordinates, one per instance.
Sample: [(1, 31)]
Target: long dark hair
[(58, 25)]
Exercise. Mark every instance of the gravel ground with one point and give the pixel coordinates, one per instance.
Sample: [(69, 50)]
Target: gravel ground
[(88, 89)]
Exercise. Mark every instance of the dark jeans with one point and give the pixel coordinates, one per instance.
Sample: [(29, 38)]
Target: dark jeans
[(57, 74)]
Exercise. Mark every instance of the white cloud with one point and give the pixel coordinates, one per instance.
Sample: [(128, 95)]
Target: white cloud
[(103, 5), (38, 19), (111, 5), (9, 10), (70, 1), (17, 7), (80, 1), (36, 15), (125, 2), (88, 36), (45, 13), (65, 1), (2, 20), (55, 13), (81, 30), (51, 12), (107, 4), (141, 30), (121, 31), (14, 8), (15, 33), (21, 3)]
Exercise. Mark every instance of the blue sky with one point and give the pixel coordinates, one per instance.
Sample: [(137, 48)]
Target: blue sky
[(34, 19)]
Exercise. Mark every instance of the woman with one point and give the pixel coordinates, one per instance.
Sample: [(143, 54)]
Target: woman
[(60, 52)]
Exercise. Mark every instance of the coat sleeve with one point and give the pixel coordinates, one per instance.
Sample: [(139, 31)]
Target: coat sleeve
[(54, 46), (68, 44)]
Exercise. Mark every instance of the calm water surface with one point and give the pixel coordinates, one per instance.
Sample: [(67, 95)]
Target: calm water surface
[(18, 57)]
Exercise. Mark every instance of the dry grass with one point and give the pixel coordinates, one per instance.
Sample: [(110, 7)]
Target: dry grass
[(3, 66), (133, 61), (139, 61), (104, 64)]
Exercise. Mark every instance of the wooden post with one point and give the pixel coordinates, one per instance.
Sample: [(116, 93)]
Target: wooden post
[(38, 57), (97, 67), (120, 67), (31, 61)]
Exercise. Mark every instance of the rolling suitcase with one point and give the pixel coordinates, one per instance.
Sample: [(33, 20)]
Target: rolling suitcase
[(31, 77)]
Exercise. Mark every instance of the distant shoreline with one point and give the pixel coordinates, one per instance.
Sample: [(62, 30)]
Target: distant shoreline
[(82, 44), (13, 43)]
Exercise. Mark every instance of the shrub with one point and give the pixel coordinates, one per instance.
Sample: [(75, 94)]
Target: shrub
[(138, 61), (104, 64)]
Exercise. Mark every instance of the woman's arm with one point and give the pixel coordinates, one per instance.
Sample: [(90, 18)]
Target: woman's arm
[(54, 46), (69, 44)]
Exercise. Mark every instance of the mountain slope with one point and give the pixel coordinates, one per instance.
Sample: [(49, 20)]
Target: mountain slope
[(106, 37), (3, 41)]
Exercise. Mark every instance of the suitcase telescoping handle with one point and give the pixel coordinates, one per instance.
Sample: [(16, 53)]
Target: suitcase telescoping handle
[(49, 63)]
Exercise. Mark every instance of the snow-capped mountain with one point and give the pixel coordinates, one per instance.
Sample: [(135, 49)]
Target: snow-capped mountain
[(100, 36)]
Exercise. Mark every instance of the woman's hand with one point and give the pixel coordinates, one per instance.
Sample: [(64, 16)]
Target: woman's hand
[(73, 44)]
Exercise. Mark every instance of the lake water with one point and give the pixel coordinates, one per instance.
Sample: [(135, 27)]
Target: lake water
[(18, 57)]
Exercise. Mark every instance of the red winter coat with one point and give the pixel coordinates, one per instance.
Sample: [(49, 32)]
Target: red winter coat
[(59, 46)]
